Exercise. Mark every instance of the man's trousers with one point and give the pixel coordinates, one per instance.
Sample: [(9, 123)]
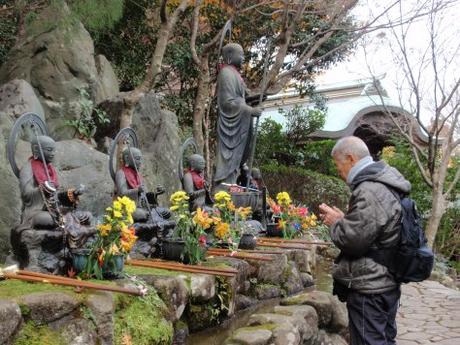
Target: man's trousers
[(372, 317)]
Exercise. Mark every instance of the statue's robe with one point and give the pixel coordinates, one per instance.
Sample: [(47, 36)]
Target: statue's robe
[(195, 186), (234, 125), (43, 241), (127, 182)]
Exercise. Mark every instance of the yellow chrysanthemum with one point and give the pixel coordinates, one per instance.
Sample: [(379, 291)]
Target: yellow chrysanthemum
[(178, 197), (283, 199), (222, 197), (117, 214), (117, 205), (222, 230), (174, 208), (282, 224)]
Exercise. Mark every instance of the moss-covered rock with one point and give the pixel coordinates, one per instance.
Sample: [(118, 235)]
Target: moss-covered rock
[(142, 321), (31, 334)]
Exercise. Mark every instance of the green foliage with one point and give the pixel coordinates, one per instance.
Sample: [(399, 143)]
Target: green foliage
[(274, 146), (305, 186), (90, 117), (317, 157), (97, 15), (448, 235), (301, 122), (141, 320), (15, 288), (8, 29), (33, 334)]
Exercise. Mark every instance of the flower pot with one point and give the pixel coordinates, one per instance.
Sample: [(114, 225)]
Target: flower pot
[(274, 231), (113, 268), (80, 259), (247, 241), (173, 249), (247, 199)]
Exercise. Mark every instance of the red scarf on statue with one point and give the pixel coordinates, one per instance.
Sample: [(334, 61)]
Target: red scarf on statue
[(198, 179), (132, 177), (38, 169), (222, 65)]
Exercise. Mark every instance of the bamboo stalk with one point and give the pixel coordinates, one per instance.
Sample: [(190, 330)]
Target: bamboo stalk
[(246, 256), (279, 245), (183, 268), (200, 267), (51, 279), (283, 240), (258, 251)]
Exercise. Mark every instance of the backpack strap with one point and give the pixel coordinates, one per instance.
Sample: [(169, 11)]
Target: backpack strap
[(384, 256)]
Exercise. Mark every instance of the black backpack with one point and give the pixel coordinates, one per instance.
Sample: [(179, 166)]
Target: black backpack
[(411, 260)]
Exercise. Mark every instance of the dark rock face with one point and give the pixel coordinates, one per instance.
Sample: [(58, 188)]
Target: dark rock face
[(10, 319), (103, 307), (57, 59), (16, 98), (158, 133), (45, 307)]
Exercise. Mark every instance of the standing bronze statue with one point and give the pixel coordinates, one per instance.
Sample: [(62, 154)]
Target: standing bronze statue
[(50, 226), (234, 124)]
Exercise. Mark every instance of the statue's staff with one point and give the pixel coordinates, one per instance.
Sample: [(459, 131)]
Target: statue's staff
[(143, 194), (261, 98)]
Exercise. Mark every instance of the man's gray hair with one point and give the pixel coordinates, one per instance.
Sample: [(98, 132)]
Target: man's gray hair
[(350, 146)]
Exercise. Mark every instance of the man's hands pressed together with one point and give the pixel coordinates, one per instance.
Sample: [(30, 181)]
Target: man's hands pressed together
[(329, 215)]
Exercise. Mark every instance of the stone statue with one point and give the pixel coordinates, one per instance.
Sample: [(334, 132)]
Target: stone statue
[(234, 124), (50, 223), (151, 221), (195, 184)]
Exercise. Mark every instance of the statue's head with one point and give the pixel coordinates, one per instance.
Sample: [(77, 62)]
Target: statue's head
[(255, 173), (132, 156), (196, 162), (233, 54), (48, 147)]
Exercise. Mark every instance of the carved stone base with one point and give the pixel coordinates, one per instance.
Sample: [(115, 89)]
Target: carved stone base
[(39, 250)]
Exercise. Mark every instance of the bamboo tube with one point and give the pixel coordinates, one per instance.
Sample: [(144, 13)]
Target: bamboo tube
[(279, 245), (246, 256), (283, 240), (183, 268), (50, 279), (259, 251), (200, 267)]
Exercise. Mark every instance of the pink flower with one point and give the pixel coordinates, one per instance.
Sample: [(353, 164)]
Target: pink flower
[(303, 211), (202, 240), (276, 209)]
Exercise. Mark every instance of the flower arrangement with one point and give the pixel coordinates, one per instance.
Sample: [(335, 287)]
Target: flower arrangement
[(114, 239), (228, 229), (190, 227), (292, 220)]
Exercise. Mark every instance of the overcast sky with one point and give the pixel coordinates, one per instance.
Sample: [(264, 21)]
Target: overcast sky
[(375, 50)]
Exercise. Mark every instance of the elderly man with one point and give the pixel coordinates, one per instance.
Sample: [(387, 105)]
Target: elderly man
[(372, 222)]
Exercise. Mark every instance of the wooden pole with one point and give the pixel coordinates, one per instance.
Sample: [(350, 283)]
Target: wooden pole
[(52, 279)]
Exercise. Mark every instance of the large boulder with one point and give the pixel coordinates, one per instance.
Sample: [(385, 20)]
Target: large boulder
[(16, 98), (44, 307), (56, 57), (158, 133), (10, 319)]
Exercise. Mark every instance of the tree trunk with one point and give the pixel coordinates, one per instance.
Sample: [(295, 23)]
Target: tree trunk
[(438, 207), (201, 102)]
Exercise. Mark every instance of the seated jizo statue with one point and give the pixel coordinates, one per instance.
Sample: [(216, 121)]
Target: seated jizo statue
[(195, 184), (151, 221), (50, 224)]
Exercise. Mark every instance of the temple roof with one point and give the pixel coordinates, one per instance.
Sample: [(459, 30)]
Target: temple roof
[(347, 101)]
